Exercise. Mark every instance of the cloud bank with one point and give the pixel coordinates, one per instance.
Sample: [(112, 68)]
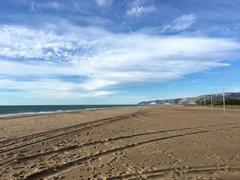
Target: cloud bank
[(100, 61)]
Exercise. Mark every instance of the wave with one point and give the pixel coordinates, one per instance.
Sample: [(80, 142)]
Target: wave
[(21, 112)]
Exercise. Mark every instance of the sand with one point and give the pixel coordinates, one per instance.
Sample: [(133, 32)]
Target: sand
[(127, 143)]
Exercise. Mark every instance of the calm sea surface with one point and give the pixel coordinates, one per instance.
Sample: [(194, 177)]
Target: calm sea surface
[(15, 110)]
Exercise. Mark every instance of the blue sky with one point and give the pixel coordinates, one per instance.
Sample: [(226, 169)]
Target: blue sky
[(117, 51)]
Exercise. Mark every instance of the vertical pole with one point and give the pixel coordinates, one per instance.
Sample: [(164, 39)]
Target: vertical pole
[(204, 101), (200, 100), (211, 101), (224, 104)]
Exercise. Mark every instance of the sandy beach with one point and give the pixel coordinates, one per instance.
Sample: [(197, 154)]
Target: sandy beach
[(154, 142)]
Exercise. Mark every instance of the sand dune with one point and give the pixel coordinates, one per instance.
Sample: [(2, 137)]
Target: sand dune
[(128, 143)]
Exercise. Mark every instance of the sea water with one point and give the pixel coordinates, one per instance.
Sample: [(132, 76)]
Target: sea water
[(43, 109)]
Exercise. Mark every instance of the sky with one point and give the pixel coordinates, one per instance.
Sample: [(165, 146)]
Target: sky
[(117, 51)]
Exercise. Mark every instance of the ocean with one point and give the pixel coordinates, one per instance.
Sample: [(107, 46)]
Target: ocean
[(44, 109)]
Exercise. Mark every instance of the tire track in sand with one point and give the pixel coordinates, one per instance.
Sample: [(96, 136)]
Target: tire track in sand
[(178, 171), (49, 135), (74, 147), (77, 162)]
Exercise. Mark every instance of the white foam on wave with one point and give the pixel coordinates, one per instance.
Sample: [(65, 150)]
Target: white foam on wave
[(23, 114), (32, 113)]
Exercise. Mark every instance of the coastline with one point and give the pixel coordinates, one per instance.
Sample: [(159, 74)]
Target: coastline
[(39, 113)]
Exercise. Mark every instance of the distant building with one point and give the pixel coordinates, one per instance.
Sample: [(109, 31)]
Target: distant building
[(153, 103)]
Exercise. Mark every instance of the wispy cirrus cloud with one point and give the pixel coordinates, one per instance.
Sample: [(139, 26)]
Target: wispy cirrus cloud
[(137, 8), (71, 50), (101, 60), (181, 23)]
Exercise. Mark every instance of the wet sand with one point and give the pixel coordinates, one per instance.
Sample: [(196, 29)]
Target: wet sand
[(127, 143)]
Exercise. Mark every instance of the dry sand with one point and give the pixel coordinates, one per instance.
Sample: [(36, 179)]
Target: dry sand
[(127, 143)]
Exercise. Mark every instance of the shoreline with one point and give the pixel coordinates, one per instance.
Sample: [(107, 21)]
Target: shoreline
[(42, 113)]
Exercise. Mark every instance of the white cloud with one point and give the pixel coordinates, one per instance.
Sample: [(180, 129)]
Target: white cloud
[(105, 60), (181, 23), (138, 8), (52, 89)]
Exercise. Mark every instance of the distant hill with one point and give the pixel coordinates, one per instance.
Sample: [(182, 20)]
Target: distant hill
[(231, 98)]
